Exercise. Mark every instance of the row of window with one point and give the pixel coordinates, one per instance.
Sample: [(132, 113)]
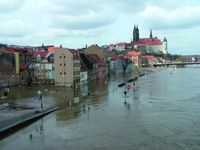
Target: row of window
[(76, 64), (75, 73), (61, 57), (62, 73), (61, 64)]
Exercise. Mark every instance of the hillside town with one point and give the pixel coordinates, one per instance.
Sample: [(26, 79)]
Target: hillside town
[(62, 66)]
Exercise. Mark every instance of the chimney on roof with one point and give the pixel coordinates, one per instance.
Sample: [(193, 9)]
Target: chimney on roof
[(86, 46), (60, 45)]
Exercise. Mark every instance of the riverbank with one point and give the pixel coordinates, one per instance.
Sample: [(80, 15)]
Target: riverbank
[(12, 118), (22, 106), (137, 74)]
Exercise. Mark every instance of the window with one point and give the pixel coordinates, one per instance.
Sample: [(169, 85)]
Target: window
[(60, 57), (64, 73), (64, 64), (77, 80), (60, 64), (64, 56), (76, 73), (39, 58), (60, 73)]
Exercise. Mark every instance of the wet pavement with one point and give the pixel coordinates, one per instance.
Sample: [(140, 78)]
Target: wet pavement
[(162, 112)]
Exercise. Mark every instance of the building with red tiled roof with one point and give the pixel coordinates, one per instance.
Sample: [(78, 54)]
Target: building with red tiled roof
[(135, 57), (101, 71), (149, 41), (97, 59), (41, 54), (51, 49), (95, 49), (151, 59), (134, 53), (73, 51), (149, 45), (118, 47), (23, 57)]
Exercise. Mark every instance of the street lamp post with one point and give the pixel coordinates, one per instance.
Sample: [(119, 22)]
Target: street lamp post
[(40, 98)]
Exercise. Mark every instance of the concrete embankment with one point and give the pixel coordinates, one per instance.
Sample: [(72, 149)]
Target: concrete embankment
[(14, 119)]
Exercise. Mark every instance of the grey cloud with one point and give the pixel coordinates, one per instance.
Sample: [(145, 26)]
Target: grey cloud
[(71, 7), (82, 22), (161, 19), (14, 28), (64, 33), (10, 5)]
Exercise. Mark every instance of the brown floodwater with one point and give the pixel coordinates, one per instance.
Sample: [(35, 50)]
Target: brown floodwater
[(162, 112)]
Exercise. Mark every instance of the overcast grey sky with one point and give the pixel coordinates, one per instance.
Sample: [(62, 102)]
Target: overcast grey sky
[(77, 23)]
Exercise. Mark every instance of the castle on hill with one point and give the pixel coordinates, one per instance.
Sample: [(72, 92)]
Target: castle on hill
[(148, 45)]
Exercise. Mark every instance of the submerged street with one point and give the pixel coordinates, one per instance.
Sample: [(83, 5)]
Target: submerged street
[(162, 112)]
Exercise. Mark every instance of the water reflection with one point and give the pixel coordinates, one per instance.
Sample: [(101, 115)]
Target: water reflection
[(67, 114), (92, 97), (159, 114)]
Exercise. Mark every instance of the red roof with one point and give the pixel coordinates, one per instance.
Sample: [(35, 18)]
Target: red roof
[(96, 58), (149, 41), (20, 50), (73, 51), (135, 53), (111, 47), (121, 44), (41, 53)]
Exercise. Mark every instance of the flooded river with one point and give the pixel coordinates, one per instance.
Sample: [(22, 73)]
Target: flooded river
[(162, 112)]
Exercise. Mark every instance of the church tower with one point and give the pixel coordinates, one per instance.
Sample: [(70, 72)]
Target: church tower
[(151, 35), (136, 34), (165, 47)]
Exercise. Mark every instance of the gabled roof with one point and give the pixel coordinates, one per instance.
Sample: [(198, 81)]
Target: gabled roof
[(86, 62), (52, 49), (96, 58), (122, 44), (112, 46), (148, 41), (73, 51), (41, 53), (20, 50)]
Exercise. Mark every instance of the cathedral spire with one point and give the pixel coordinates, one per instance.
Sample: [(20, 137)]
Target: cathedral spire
[(136, 33), (165, 39), (151, 35)]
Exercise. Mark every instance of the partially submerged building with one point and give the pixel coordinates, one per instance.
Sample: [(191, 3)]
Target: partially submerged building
[(67, 67)]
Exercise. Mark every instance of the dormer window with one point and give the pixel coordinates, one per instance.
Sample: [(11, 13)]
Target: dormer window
[(39, 58)]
